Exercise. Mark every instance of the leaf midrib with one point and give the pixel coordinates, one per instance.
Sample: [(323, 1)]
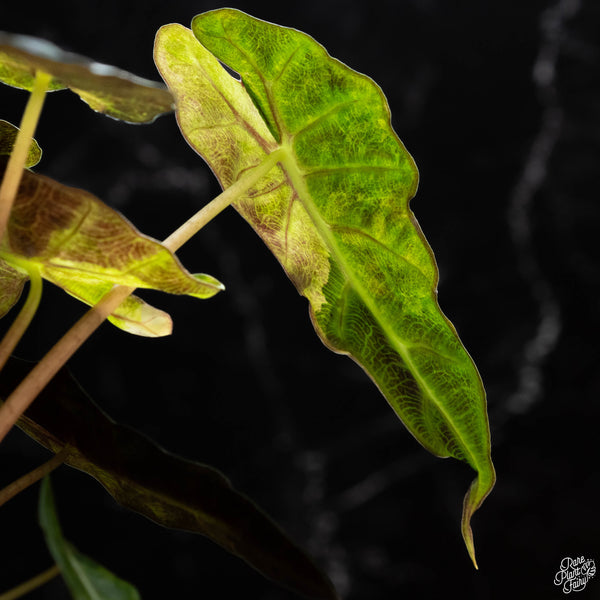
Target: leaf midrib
[(296, 178), (87, 585)]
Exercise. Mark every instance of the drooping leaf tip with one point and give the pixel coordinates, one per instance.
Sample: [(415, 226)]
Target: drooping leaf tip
[(468, 538), (478, 491), (210, 281)]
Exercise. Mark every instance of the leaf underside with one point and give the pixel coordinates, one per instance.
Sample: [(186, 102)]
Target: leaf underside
[(85, 578), (82, 245), (106, 89), (335, 212), (169, 490)]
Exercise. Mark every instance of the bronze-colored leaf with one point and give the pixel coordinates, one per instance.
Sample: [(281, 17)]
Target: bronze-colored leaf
[(82, 245), (167, 489)]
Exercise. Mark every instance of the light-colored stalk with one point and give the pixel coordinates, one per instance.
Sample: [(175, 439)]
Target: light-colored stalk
[(222, 201), (20, 324), (14, 488), (16, 404), (32, 584), (16, 162)]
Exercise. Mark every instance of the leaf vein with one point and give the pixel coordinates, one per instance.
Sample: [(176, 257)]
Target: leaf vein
[(358, 231), (332, 111), (287, 64), (402, 348)]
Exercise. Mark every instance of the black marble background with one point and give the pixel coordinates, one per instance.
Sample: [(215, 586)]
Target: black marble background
[(499, 103)]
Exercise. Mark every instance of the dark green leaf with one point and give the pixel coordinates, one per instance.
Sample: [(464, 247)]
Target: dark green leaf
[(169, 490), (335, 212), (85, 578), (106, 89)]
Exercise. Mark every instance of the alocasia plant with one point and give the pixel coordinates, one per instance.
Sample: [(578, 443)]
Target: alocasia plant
[(304, 149), (335, 213)]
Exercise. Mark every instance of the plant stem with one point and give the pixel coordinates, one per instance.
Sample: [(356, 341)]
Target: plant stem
[(14, 488), (20, 324), (32, 584), (222, 201), (16, 404), (18, 157)]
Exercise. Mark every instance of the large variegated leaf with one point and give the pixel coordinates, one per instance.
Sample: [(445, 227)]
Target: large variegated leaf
[(80, 244), (335, 212)]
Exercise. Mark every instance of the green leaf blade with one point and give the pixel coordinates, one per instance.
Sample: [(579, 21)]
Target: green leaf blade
[(85, 578), (106, 89), (336, 214), (219, 115)]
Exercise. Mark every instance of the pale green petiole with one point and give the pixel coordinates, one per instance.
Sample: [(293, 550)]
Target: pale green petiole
[(194, 224), (16, 162), (20, 324), (17, 403)]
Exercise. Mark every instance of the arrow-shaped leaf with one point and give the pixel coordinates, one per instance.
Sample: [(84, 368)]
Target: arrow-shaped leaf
[(335, 212), (106, 89), (82, 245), (85, 578), (172, 491)]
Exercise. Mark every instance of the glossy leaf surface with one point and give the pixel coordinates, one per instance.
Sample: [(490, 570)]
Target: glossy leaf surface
[(172, 491), (85, 578), (8, 136), (106, 89), (335, 212), (82, 245)]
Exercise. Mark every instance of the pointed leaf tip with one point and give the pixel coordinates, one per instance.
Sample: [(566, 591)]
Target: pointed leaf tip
[(479, 489)]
